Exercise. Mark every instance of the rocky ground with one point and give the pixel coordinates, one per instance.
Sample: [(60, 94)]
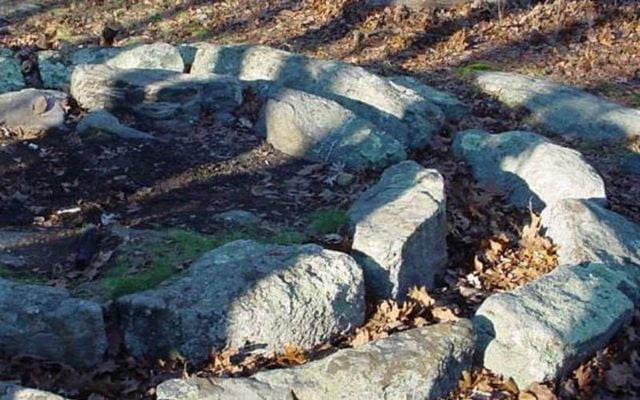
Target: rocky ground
[(169, 182)]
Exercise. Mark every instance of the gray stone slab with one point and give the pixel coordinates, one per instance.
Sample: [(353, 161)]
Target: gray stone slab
[(422, 363), (399, 230), (13, 391), (33, 110), (411, 119), (172, 98), (546, 328), (528, 168), (454, 110), (11, 78), (247, 295), (48, 323), (586, 231), (314, 128), (56, 68), (562, 109)]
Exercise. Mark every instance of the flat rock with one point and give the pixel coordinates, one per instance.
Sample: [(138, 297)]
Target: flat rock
[(528, 168), (412, 119), (548, 327), (320, 130), (33, 110), (586, 231), (422, 363), (46, 322), (56, 68), (247, 295), (11, 78), (563, 110), (400, 230), (454, 110), (172, 98), (237, 218), (13, 391), (101, 121)]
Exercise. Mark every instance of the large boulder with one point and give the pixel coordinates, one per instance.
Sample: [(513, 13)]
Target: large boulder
[(48, 323), (411, 118), (454, 110), (399, 230), (585, 231), (311, 127), (13, 391), (56, 68), (422, 363), (152, 94), (33, 110), (11, 78), (247, 295), (563, 110), (528, 168), (546, 328)]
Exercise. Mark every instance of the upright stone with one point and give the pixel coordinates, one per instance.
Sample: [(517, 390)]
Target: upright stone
[(153, 94), (247, 295), (585, 231), (311, 127), (33, 109), (46, 322), (562, 109), (11, 77), (528, 168), (422, 363), (411, 118), (546, 328), (400, 230)]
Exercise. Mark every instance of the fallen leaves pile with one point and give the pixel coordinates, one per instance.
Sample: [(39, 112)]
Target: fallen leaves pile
[(505, 264)]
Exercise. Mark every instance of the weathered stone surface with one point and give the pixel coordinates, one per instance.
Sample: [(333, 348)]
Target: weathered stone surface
[(400, 230), (12, 391), (56, 68), (561, 109), (423, 363), (528, 168), (585, 231), (454, 110), (11, 77), (548, 327), (410, 118), (237, 217), (153, 94), (247, 295), (311, 127), (101, 121), (33, 109), (47, 322)]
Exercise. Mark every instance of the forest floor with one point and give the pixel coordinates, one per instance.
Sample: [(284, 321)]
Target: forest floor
[(183, 181)]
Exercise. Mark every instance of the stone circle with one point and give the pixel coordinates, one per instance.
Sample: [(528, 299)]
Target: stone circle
[(251, 295)]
